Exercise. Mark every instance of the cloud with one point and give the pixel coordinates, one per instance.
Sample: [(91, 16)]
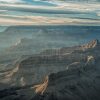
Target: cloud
[(42, 20), (98, 14), (11, 1), (40, 9), (64, 13)]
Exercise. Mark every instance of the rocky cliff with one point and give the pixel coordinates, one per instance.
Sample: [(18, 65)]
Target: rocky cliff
[(69, 74)]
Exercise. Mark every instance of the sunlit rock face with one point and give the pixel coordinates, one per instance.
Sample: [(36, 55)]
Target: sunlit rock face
[(72, 85), (33, 70), (91, 45), (40, 89), (60, 76), (80, 81)]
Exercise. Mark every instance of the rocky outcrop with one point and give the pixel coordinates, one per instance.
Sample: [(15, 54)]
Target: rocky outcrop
[(90, 45), (90, 60), (38, 66), (73, 85), (73, 76), (79, 82), (40, 89), (75, 65)]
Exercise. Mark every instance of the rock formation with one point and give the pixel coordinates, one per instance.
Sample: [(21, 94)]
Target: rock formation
[(90, 45), (41, 87), (73, 76)]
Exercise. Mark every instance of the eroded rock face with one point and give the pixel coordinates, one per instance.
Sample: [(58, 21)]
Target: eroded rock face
[(38, 66), (73, 85), (40, 89), (90, 45), (90, 60), (73, 76), (75, 65), (80, 81)]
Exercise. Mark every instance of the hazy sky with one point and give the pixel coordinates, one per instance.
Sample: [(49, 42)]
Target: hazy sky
[(38, 12)]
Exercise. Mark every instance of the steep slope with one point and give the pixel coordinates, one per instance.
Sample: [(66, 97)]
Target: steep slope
[(74, 84), (79, 82), (74, 76), (33, 69)]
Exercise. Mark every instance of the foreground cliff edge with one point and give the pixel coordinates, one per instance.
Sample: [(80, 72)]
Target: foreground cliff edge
[(69, 73)]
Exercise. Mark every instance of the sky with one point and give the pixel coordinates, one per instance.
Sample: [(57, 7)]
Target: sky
[(49, 12)]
